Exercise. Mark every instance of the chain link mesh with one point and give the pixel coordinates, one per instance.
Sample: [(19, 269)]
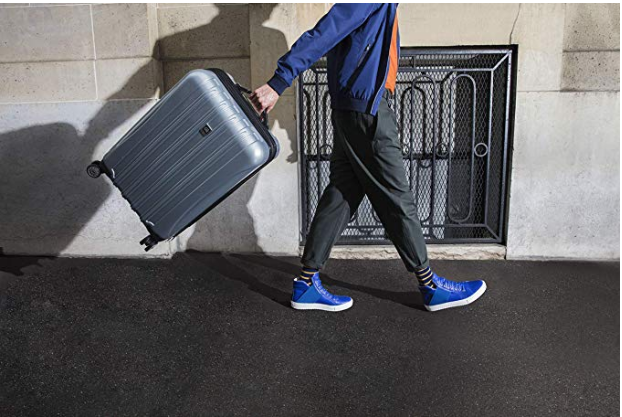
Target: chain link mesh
[(452, 109)]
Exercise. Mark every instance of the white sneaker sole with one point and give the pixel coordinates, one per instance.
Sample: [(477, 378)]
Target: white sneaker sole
[(318, 306), (459, 303)]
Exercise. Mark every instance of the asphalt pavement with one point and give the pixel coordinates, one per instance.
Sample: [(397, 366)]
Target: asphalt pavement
[(213, 334)]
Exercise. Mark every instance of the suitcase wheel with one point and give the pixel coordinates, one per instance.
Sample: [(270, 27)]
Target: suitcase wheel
[(94, 170), (149, 242)]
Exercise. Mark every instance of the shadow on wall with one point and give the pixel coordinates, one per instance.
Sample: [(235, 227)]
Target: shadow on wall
[(230, 226), (47, 198)]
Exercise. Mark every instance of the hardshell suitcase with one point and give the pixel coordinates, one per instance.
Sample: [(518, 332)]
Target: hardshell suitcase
[(193, 148)]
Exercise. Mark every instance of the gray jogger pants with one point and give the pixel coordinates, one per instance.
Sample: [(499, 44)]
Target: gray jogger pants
[(366, 160)]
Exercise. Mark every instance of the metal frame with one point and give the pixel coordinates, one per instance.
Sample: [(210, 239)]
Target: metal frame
[(424, 67)]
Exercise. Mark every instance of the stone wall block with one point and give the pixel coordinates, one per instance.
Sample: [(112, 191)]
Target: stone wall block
[(539, 33), (128, 78), (592, 26), (239, 68), (565, 185), (124, 30), (591, 71), (455, 24), (47, 81), (209, 31), (45, 34)]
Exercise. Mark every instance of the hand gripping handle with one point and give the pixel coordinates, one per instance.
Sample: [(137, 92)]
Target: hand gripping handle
[(264, 114)]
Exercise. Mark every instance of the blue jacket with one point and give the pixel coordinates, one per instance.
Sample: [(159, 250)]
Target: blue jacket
[(355, 37)]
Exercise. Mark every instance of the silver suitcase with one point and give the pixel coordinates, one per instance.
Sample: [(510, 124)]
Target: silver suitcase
[(196, 146)]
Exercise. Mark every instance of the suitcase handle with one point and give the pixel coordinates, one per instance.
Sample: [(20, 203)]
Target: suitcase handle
[(264, 118), (243, 89), (264, 114)]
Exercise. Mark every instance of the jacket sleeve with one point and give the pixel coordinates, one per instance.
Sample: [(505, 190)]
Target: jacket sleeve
[(339, 22)]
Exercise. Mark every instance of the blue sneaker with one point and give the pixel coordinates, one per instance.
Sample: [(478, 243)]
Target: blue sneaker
[(448, 294), (316, 297)]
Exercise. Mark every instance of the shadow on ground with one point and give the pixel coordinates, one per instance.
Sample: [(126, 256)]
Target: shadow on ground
[(408, 299), (211, 334)]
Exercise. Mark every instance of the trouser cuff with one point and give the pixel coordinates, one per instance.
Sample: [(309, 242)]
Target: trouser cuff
[(412, 268), (311, 264)]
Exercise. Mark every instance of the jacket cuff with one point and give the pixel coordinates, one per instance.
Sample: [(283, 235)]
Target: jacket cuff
[(278, 84)]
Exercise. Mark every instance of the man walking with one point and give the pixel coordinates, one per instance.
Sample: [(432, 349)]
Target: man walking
[(361, 43)]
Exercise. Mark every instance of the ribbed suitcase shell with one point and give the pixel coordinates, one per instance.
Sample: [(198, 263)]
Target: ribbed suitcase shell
[(200, 142)]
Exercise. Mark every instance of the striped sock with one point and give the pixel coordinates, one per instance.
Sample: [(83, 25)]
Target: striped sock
[(307, 273), (424, 276)]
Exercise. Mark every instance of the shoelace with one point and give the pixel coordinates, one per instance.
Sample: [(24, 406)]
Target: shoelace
[(324, 291), (449, 285)]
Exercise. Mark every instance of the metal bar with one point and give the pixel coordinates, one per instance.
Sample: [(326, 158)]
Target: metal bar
[(506, 133), (415, 157), (303, 162), (456, 226), (324, 145), (449, 69), (408, 52), (410, 142), (452, 142), (317, 132), (424, 132), (501, 61), (472, 153), (435, 124), (491, 94), (428, 69), (493, 233), (308, 135), (411, 137), (383, 241)]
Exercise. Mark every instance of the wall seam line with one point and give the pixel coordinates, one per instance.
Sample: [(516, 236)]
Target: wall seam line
[(53, 61), (514, 24), (12, 103), (574, 51), (33, 6), (568, 91)]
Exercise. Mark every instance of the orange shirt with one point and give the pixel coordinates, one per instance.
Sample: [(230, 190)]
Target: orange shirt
[(393, 60)]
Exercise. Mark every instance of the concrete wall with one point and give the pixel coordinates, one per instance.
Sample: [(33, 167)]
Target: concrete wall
[(565, 190), (73, 78), (71, 82)]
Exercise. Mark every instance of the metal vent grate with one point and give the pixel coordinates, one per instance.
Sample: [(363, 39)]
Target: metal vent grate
[(453, 108)]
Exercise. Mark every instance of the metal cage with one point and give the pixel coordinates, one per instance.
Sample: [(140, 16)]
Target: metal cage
[(454, 109)]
